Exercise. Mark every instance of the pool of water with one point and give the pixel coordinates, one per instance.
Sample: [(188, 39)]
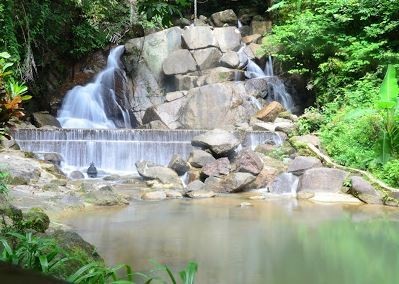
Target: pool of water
[(274, 242)]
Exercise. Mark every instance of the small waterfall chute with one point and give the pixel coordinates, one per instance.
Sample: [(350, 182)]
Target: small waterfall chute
[(277, 90), (97, 105)]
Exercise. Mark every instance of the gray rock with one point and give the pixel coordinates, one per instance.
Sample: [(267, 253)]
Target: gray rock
[(229, 38), (236, 182), (201, 194), (105, 196), (164, 175), (214, 184), (174, 194), (217, 168), (76, 175), (185, 82), (198, 37), (8, 143), (155, 124), (154, 195), (112, 178), (199, 158), (255, 38), (305, 139), (285, 183), (260, 26), (215, 106), (179, 62), (207, 58), (265, 177), (323, 180), (365, 191), (179, 165), (286, 126), (219, 75), (248, 162), (220, 142), (195, 186), (230, 59), (54, 158), (224, 17), (167, 113), (152, 51), (305, 195), (301, 164), (172, 96), (41, 119)]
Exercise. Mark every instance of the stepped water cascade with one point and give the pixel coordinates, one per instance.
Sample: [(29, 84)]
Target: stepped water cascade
[(276, 88), (117, 150), (99, 104)]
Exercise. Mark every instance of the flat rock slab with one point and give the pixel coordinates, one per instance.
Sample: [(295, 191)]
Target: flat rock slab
[(220, 142), (329, 197), (323, 180), (300, 164), (201, 194), (199, 37), (154, 195), (179, 62), (199, 158)]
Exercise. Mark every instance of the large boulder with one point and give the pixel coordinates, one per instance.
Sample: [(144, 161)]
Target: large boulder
[(270, 112), (185, 82), (323, 180), (167, 113), (229, 38), (286, 183), (217, 105), (300, 164), (199, 158), (219, 75), (220, 142), (236, 182), (179, 62), (365, 191), (249, 162), (255, 38), (195, 186), (260, 26), (207, 58), (153, 50), (217, 168), (179, 165), (230, 59), (224, 17), (172, 96), (265, 177), (42, 119), (164, 175), (104, 196), (199, 37)]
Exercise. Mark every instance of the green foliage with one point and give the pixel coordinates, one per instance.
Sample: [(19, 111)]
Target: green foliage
[(31, 252), (3, 182), (389, 172), (162, 11), (12, 93)]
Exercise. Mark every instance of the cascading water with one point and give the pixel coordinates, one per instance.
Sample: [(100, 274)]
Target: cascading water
[(98, 104), (117, 150), (276, 88)]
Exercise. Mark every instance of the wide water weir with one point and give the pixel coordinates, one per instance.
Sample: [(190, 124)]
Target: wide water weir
[(117, 150)]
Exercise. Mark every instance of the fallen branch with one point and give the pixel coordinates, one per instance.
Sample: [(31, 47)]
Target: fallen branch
[(327, 160)]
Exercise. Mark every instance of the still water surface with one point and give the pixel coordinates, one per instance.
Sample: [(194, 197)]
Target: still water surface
[(274, 242)]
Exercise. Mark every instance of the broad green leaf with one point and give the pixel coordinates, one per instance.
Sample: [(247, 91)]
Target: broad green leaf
[(389, 90), (5, 55)]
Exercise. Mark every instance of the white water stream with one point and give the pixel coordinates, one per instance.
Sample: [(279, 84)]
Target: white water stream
[(95, 105)]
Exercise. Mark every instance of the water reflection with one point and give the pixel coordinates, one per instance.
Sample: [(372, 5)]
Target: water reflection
[(272, 242)]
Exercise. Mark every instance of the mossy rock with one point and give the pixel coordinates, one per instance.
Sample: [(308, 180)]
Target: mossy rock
[(36, 219)]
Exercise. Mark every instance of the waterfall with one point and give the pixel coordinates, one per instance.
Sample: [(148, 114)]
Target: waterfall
[(277, 90), (239, 24), (99, 104), (269, 67), (117, 150)]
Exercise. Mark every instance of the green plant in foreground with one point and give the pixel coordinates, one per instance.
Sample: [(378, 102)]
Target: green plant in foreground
[(31, 252), (388, 103)]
